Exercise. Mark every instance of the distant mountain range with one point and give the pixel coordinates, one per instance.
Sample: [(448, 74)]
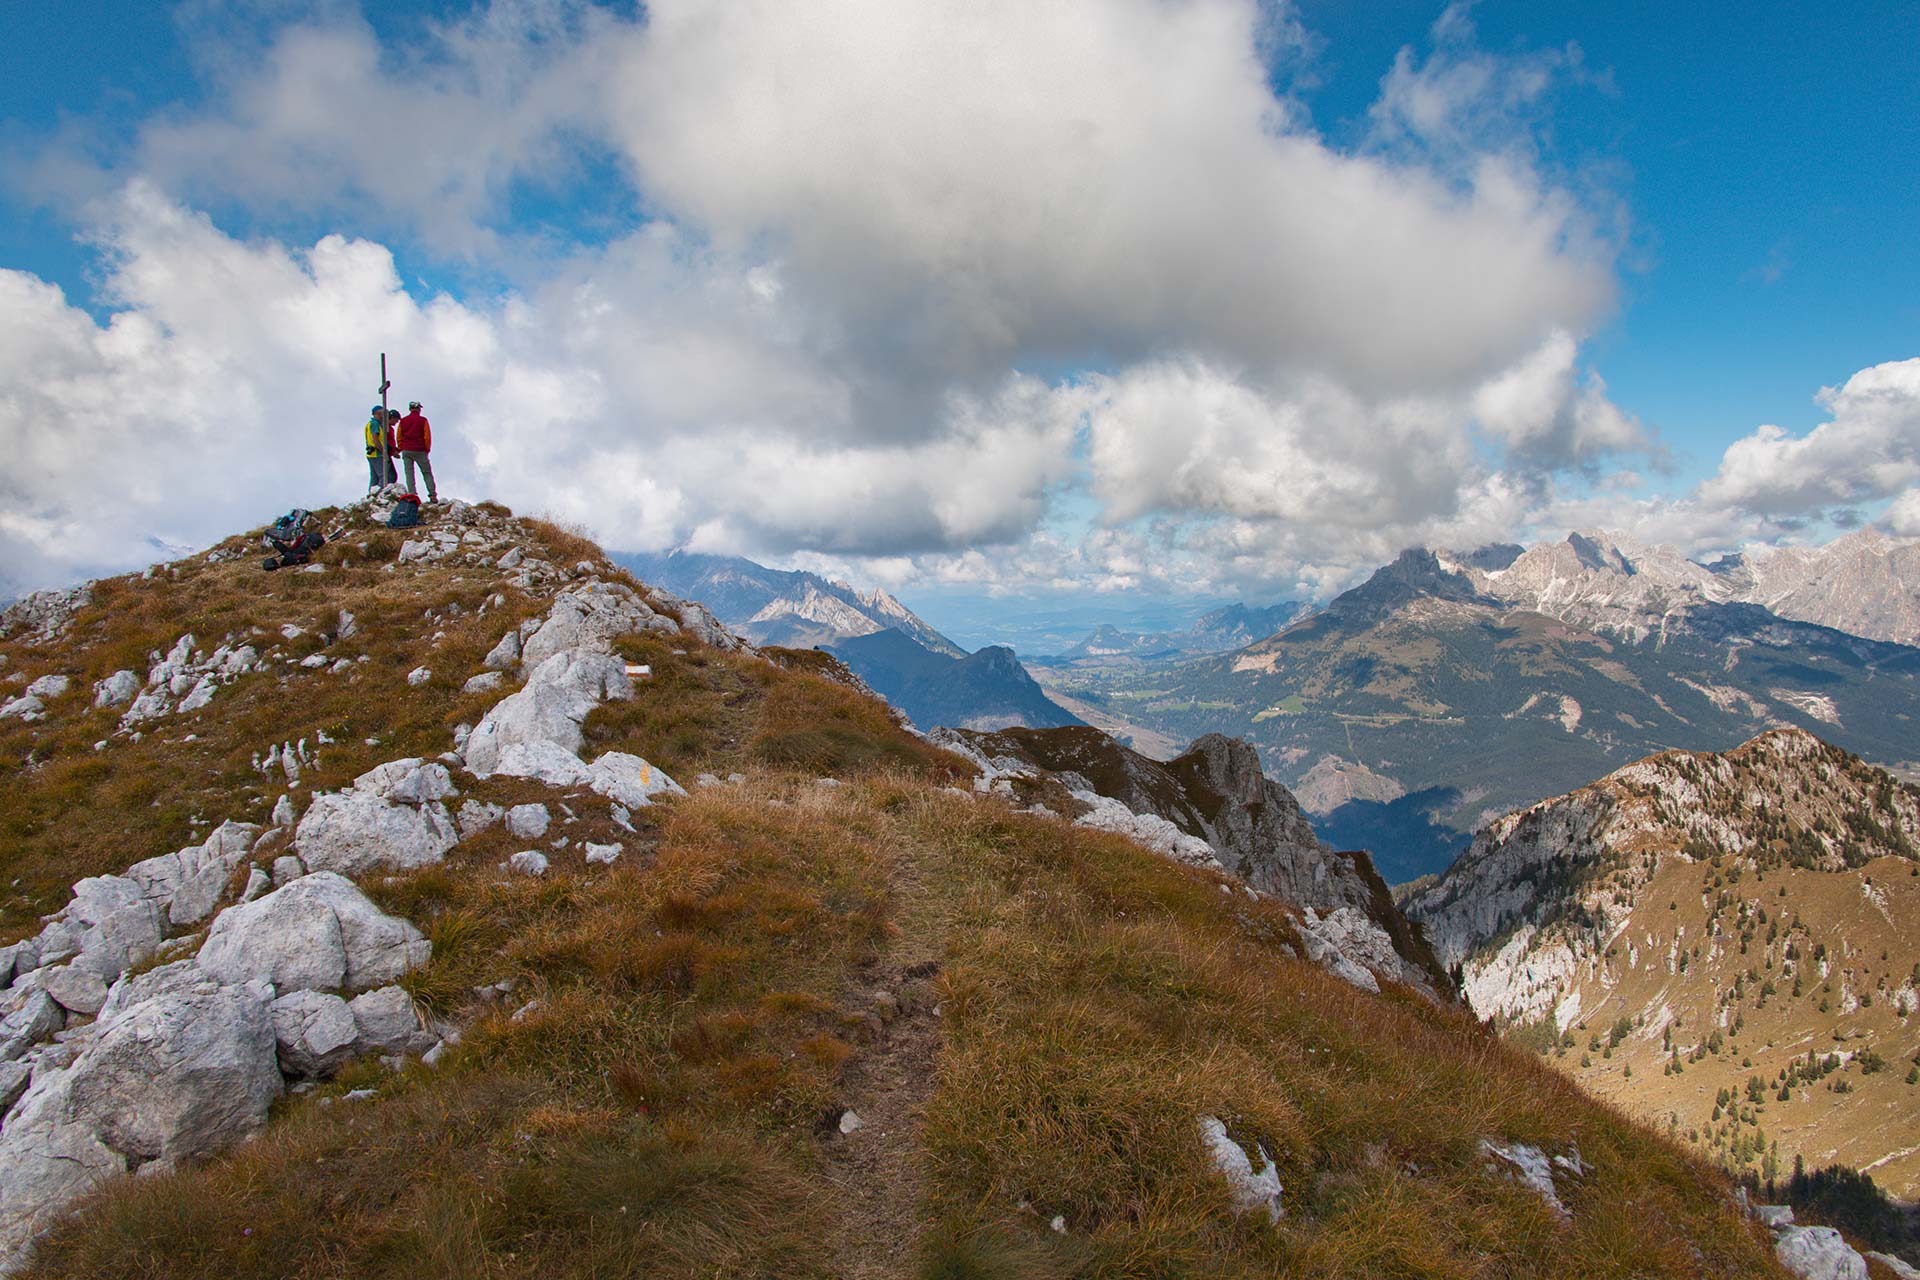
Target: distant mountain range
[(988, 689), (1865, 583), (899, 655), (781, 606), (1233, 627), (1451, 687)]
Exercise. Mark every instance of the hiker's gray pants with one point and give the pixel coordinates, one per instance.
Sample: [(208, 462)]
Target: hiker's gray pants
[(411, 456)]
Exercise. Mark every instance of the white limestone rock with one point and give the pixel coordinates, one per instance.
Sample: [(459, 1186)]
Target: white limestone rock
[(314, 1032), (180, 1076), (319, 933), (188, 883), (603, 854), (505, 655), (589, 615), (117, 688), (561, 692), (1151, 830), (1529, 1166), (14, 1078), (485, 682), (76, 988), (46, 1163), (33, 1016), (407, 782), (528, 821), (1818, 1253), (258, 882), (630, 781), (179, 977), (385, 1022), (113, 923), (362, 829), (477, 816), (47, 688), (528, 862), (1251, 1191), (286, 869)]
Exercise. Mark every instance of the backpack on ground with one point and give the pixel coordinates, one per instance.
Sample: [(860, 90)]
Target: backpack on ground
[(406, 512), (287, 528), (298, 551)]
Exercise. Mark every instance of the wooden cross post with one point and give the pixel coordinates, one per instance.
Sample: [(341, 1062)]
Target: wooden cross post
[(381, 435)]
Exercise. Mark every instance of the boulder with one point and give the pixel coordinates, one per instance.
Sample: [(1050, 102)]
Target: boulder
[(1817, 1253), (589, 616), (385, 1022), (76, 988), (419, 676), (47, 687), (167, 979), (560, 693), (485, 682), (314, 1033), (358, 831), (17, 958), (547, 762), (528, 821), (188, 883), (407, 782), (528, 862), (34, 1016), (180, 1076), (504, 655), (14, 1078), (318, 933), (629, 780), (114, 924), (286, 869), (605, 854), (46, 1162), (117, 688), (477, 816)]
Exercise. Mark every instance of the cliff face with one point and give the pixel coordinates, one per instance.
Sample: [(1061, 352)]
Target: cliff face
[(1216, 793), (1743, 920)]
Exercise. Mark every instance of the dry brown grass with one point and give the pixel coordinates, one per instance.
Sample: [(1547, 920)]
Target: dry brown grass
[(662, 1111), (68, 810)]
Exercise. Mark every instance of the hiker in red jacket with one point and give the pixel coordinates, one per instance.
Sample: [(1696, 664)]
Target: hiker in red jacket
[(416, 441)]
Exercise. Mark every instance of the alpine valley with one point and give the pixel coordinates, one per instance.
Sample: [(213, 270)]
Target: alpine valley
[(1452, 687)]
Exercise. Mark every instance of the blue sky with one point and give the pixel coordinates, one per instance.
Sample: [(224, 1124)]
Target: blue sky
[(1082, 313)]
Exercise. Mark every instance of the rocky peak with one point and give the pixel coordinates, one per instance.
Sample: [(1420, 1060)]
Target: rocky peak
[(1416, 574)]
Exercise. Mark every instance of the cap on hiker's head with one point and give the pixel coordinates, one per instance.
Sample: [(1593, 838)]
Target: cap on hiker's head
[(413, 404), (377, 409)]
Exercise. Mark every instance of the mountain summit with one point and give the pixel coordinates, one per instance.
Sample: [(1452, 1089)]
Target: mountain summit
[(460, 904)]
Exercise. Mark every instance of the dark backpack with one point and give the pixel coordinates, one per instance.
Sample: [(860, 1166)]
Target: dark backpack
[(406, 512), (297, 551)]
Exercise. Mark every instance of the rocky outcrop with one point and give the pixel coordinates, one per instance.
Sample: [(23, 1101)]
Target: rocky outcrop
[(178, 1076), (392, 817), (319, 933), (548, 710), (1215, 797), (1252, 1191)]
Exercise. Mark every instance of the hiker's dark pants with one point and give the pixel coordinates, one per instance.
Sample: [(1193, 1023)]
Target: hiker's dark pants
[(374, 477), (410, 457)]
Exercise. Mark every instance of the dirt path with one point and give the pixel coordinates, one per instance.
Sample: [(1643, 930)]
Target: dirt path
[(876, 1167)]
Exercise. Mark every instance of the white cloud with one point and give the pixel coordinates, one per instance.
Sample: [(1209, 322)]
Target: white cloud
[(1868, 451), (870, 217), (971, 185), (1545, 414)]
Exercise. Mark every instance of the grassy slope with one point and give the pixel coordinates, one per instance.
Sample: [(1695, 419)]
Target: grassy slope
[(1058, 1007)]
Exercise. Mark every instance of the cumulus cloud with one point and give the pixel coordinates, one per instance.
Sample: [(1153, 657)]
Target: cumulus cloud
[(868, 225), (1868, 451)]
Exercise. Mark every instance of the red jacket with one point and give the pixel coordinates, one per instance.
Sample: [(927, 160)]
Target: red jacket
[(416, 436)]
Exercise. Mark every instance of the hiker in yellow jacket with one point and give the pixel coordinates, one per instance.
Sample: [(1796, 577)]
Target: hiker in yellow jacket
[(380, 422)]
